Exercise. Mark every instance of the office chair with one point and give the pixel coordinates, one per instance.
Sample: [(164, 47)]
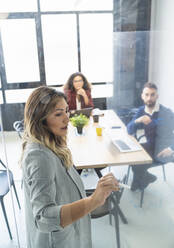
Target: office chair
[(108, 208), (155, 163), (126, 114), (4, 189), (19, 127), (111, 208)]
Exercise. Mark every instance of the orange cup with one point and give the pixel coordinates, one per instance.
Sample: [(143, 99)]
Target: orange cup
[(99, 131)]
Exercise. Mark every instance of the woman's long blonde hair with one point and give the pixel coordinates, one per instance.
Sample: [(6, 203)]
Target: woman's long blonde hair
[(39, 105)]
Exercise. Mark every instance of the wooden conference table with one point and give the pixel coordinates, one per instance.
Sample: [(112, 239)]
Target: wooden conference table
[(92, 151)]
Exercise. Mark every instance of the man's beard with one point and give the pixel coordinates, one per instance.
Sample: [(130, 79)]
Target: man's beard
[(150, 104)]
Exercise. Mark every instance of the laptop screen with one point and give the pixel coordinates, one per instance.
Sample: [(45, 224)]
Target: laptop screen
[(84, 111)]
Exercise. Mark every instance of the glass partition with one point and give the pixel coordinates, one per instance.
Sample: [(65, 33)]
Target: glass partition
[(10, 197), (1, 100), (131, 62), (118, 45)]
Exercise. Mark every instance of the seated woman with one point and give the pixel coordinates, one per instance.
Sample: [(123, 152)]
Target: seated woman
[(78, 92)]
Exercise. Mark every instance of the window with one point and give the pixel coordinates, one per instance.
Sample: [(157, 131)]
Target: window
[(60, 47), (18, 5), (96, 46), (17, 96), (46, 45), (20, 50), (72, 5)]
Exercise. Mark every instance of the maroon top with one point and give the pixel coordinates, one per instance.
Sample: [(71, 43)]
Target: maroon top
[(71, 98)]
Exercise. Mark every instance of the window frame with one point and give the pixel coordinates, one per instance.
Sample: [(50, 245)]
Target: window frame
[(39, 38)]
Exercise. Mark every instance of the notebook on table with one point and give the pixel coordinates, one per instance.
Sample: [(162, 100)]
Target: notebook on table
[(84, 111)]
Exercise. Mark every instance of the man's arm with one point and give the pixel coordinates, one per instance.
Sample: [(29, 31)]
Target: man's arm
[(133, 125), (172, 130)]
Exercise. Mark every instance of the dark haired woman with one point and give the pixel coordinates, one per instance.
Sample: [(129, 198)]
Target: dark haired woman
[(78, 92)]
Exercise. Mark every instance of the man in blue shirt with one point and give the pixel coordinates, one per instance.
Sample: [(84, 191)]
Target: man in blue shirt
[(157, 122)]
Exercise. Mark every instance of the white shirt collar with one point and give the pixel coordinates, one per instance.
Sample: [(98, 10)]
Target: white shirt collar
[(78, 104), (155, 109)]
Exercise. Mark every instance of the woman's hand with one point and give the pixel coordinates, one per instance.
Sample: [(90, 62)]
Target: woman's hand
[(105, 186), (81, 92), (73, 211)]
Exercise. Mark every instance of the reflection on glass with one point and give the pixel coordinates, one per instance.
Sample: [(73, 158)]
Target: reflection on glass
[(6, 194), (20, 50), (1, 99), (18, 5), (16, 96), (102, 90), (76, 5), (60, 47), (96, 39)]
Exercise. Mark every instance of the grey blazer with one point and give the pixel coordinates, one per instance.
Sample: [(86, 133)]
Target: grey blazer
[(48, 186)]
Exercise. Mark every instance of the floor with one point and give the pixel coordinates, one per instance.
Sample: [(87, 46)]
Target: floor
[(149, 226)]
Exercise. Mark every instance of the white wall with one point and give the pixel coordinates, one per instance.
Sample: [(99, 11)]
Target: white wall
[(161, 69)]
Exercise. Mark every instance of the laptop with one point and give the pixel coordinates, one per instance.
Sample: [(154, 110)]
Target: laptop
[(122, 141), (126, 144), (84, 111)]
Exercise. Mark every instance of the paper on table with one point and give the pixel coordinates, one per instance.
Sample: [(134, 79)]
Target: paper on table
[(97, 111)]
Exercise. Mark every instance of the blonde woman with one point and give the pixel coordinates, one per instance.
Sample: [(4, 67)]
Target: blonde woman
[(57, 209)]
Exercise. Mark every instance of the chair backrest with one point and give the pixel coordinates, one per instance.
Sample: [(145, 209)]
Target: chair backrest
[(19, 127), (102, 210), (126, 114), (141, 138), (5, 176), (4, 183), (3, 164)]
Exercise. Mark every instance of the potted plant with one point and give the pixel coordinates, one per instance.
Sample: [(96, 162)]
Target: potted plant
[(79, 121)]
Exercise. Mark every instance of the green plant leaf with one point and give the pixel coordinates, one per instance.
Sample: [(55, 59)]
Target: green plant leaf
[(79, 120)]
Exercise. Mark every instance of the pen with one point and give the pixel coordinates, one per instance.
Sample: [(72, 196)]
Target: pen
[(116, 127), (122, 185)]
